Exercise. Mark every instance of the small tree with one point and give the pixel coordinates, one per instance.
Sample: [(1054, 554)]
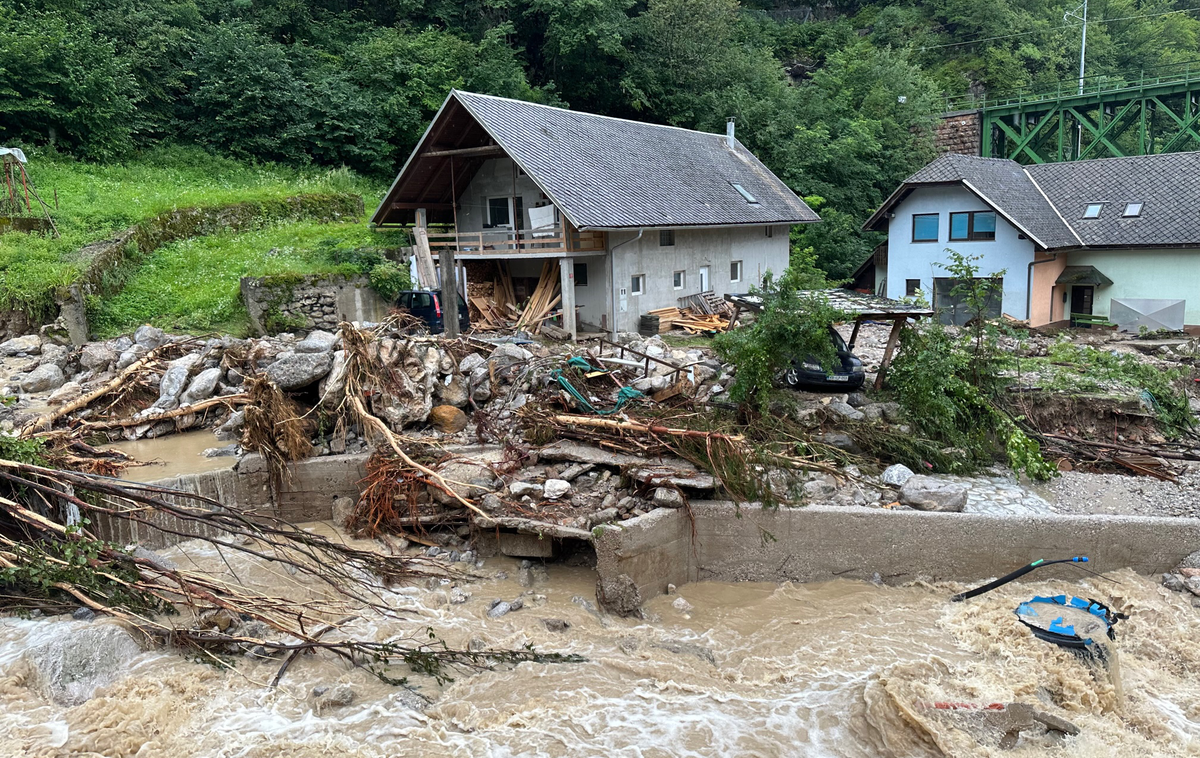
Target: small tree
[(794, 323), (977, 295)]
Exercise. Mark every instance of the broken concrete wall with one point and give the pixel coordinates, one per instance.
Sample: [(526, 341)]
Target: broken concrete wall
[(307, 494), (820, 543), (283, 303)]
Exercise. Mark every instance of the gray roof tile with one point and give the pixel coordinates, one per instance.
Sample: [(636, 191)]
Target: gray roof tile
[(612, 173), (1167, 185)]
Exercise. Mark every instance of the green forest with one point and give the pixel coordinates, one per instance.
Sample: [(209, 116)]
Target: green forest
[(837, 98)]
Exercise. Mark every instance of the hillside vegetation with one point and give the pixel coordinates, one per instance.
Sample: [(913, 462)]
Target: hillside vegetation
[(98, 199), (836, 98)]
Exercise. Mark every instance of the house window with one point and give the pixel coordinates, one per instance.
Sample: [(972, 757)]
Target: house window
[(580, 274), (735, 271), (925, 227), (953, 308), (745, 195), (637, 284), (973, 226), (912, 287), (498, 211), (1132, 210), (678, 280), (770, 232), (1093, 210), (666, 238)]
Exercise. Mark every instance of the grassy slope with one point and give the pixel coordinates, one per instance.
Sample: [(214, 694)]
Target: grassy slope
[(192, 285), (96, 200)]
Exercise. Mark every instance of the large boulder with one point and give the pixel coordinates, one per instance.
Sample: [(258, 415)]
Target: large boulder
[(452, 390), (202, 386), (471, 362), (298, 370), (508, 354), (332, 387), (171, 386), (43, 379), (56, 354), (29, 344), (149, 337), (926, 493), (98, 356), (467, 478), (897, 474), (71, 665), (317, 341), (447, 419), (65, 394), (620, 595)]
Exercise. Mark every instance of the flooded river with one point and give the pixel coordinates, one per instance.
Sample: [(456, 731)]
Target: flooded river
[(834, 669)]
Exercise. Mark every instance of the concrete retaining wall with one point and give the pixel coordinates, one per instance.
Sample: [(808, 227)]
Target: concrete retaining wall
[(819, 543), (307, 494)]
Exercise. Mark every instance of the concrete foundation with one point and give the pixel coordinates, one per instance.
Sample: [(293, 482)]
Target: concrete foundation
[(307, 494), (820, 543)]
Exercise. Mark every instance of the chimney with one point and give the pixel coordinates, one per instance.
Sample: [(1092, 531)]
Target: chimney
[(729, 131)]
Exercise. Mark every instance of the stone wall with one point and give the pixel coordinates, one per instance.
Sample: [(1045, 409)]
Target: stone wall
[(286, 303), (959, 132), (821, 543)]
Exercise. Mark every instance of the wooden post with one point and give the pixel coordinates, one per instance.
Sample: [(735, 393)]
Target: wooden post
[(449, 293), (426, 275), (566, 272), (893, 338), (854, 334)]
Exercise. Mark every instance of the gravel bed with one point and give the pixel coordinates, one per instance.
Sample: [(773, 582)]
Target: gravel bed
[(1082, 493)]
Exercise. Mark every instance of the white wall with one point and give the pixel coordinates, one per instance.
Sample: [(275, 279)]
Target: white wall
[(693, 248), (918, 260), (495, 179)]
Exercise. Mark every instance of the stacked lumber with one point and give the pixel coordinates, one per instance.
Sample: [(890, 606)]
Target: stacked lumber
[(694, 323), (543, 300), (666, 318), (689, 319), (706, 304)]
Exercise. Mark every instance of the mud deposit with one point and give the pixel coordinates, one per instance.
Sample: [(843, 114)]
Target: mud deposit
[(835, 669)]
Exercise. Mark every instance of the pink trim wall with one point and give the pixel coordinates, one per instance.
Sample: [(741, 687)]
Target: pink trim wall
[(1046, 304)]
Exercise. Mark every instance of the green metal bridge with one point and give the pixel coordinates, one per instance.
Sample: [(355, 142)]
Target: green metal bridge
[(1158, 113)]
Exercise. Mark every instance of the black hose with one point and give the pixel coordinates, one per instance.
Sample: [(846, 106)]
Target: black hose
[(1010, 577)]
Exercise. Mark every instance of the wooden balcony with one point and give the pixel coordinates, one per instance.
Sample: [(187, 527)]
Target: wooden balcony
[(550, 242)]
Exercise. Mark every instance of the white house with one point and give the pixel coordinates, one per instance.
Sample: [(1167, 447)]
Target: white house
[(637, 215), (1114, 238)]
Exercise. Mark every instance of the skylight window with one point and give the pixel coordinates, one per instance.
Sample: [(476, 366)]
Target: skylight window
[(1093, 210), (1132, 210), (742, 191)]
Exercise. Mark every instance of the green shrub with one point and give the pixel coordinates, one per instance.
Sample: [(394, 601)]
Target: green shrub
[(794, 322), (389, 279)]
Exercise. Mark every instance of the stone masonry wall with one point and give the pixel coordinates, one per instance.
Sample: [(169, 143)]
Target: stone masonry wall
[(285, 303), (959, 132)]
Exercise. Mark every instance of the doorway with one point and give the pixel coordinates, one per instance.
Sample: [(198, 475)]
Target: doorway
[(1081, 302), (704, 279)]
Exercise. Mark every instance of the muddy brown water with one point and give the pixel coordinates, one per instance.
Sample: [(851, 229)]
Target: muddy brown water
[(833, 669), (172, 455)]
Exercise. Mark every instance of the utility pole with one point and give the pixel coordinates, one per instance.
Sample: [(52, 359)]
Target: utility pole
[(1080, 13)]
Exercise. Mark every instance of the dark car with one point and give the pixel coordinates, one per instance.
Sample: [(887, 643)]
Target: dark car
[(427, 306), (808, 373)]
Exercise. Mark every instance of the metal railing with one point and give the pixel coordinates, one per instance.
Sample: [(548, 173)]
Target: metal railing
[(503, 242), (1094, 86)]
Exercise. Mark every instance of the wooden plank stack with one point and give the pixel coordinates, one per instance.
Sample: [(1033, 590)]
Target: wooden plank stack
[(689, 320), (545, 297)]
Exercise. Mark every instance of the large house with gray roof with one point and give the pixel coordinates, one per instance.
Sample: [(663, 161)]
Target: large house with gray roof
[(636, 215), (1117, 238)]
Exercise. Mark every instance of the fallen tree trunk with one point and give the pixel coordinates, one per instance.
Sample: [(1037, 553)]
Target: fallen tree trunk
[(633, 426)]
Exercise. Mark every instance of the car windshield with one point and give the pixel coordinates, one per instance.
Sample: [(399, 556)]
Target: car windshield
[(838, 342)]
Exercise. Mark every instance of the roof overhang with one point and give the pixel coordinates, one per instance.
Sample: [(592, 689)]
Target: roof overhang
[(1086, 276)]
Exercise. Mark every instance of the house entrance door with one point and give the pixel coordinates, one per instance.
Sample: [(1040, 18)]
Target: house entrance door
[(704, 279), (1081, 301)]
